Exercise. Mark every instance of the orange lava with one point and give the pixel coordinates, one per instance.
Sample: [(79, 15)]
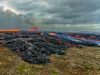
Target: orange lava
[(34, 28), (52, 33), (9, 30)]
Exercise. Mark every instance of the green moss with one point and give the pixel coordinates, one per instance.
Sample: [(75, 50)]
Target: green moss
[(38, 66), (21, 68), (54, 71), (87, 66), (28, 69)]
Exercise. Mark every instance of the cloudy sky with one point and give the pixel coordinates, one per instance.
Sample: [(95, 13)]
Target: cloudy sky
[(55, 11)]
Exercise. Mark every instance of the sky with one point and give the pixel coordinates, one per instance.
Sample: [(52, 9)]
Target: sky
[(54, 12)]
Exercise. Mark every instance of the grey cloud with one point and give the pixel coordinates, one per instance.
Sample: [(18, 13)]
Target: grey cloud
[(76, 11), (9, 20), (61, 11)]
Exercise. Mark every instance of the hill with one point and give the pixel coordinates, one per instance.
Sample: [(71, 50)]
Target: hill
[(76, 61)]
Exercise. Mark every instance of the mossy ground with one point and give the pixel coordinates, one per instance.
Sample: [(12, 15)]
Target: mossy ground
[(76, 61)]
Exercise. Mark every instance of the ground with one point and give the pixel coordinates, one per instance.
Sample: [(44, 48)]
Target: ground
[(76, 61)]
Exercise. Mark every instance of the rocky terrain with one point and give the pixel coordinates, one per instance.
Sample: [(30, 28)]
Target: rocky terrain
[(36, 47), (75, 61)]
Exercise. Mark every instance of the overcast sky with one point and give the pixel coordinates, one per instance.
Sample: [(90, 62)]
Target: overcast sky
[(57, 11), (61, 15)]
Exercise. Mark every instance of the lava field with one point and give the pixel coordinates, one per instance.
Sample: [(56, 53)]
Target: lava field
[(36, 47)]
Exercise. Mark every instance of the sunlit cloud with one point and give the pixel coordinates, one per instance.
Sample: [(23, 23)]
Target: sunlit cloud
[(6, 7)]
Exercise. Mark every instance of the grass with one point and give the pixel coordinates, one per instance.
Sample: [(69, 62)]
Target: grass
[(87, 66), (76, 61)]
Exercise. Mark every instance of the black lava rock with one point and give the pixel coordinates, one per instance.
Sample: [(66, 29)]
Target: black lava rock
[(33, 47)]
